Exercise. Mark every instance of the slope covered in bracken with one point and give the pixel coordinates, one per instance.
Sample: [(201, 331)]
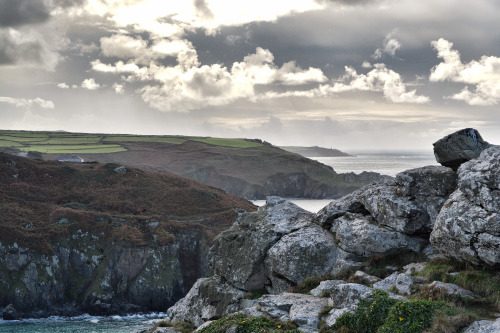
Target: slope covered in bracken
[(38, 197)]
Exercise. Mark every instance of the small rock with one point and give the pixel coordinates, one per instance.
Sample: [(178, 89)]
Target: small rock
[(15, 176), (369, 278), (414, 268), (401, 282), (9, 313), (457, 148), (484, 326), (64, 220), (452, 289), (324, 288), (120, 169)]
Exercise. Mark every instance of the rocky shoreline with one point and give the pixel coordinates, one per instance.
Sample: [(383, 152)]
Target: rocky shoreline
[(431, 214)]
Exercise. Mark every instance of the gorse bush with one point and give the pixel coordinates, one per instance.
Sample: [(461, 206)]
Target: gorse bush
[(410, 317), (370, 315), (382, 314)]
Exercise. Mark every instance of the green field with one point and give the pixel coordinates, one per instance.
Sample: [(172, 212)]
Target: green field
[(67, 143), (137, 138)]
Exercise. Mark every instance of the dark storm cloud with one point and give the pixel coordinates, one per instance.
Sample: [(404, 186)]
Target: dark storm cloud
[(20, 12), (12, 52), (202, 9)]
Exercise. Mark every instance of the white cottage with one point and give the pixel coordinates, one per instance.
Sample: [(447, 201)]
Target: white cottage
[(70, 159)]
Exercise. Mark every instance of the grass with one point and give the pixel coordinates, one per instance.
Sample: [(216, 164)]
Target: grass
[(5, 143), (76, 149), (248, 324), (309, 283), (136, 138), (234, 143)]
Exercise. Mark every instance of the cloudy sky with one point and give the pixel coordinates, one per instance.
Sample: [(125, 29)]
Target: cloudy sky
[(335, 73)]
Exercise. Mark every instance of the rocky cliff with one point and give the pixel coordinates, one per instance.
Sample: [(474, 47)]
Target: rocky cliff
[(402, 230), (102, 238)]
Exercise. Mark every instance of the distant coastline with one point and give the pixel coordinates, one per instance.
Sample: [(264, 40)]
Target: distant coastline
[(315, 151)]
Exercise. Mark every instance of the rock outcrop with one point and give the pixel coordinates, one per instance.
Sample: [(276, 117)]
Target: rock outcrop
[(468, 226), (459, 147), (280, 245)]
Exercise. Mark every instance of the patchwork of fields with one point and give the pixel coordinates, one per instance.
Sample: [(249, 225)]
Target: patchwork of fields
[(76, 143)]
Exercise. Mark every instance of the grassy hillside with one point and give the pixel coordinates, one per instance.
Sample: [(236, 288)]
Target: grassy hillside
[(247, 168), (41, 201)]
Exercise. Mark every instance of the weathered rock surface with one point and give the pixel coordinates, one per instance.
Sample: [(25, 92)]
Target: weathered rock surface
[(119, 279), (302, 309), (310, 251), (362, 236), (209, 298), (459, 147), (468, 226), (409, 204), (484, 326), (452, 289), (238, 254), (401, 282)]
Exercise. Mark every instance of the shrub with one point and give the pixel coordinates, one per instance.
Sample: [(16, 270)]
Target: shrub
[(309, 283), (247, 324), (369, 316), (410, 317)]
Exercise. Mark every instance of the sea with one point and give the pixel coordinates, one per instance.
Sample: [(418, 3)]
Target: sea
[(83, 324), (386, 162)]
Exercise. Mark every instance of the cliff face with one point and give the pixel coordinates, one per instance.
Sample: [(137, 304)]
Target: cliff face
[(103, 239)]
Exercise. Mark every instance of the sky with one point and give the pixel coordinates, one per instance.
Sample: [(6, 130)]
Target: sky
[(347, 74)]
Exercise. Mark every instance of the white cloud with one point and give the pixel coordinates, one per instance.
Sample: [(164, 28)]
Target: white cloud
[(366, 64), (172, 19), (188, 86), (118, 88), (484, 74), (391, 45), (90, 84), (63, 85), (28, 103), (378, 79)]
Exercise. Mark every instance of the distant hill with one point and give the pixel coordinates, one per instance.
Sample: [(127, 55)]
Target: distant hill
[(314, 151), (102, 237), (252, 169)]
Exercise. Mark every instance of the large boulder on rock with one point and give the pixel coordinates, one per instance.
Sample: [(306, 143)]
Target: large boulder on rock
[(238, 254), (209, 298), (468, 226), (310, 251), (409, 204), (459, 147), (362, 236)]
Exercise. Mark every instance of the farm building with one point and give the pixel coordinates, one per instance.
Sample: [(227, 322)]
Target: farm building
[(70, 159)]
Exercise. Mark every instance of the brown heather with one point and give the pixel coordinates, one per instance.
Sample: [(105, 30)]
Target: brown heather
[(43, 201)]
